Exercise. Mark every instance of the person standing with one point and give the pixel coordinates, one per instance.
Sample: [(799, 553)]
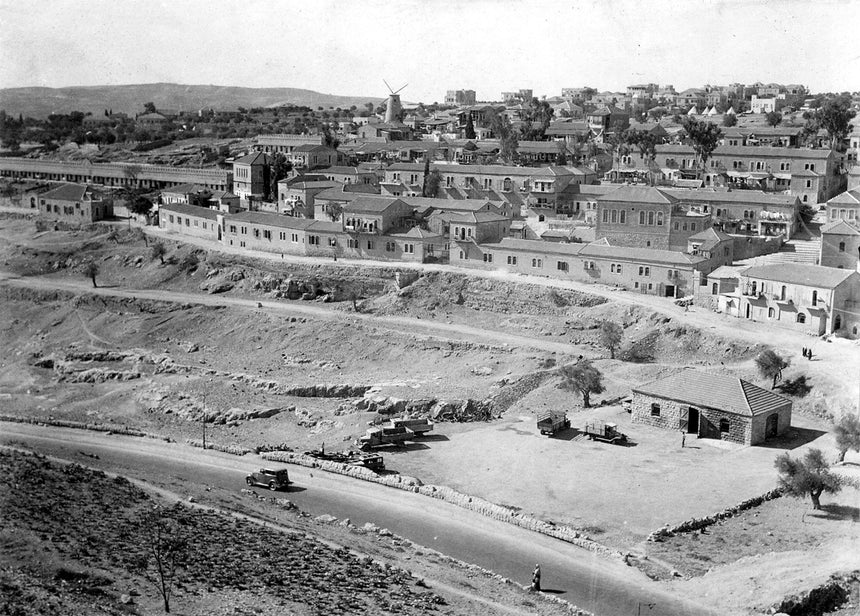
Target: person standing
[(536, 578), (683, 439)]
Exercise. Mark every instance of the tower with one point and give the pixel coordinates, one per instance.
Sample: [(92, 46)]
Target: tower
[(393, 108)]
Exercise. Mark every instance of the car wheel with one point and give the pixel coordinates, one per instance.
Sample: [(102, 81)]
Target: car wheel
[(249, 481), (273, 486)]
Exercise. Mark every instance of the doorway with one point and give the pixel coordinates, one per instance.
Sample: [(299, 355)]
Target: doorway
[(772, 427), (749, 311), (692, 420)]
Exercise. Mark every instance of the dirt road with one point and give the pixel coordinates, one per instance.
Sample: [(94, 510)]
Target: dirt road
[(589, 581)]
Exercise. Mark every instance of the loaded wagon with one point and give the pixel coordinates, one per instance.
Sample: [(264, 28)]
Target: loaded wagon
[(384, 435), (604, 431), (553, 422), (419, 426)]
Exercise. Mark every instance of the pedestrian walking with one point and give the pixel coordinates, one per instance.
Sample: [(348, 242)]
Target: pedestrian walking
[(536, 578), (683, 439), (809, 355), (804, 352)]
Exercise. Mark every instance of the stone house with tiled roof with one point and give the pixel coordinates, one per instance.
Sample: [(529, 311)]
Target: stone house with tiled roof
[(251, 176), (712, 406), (74, 203), (840, 246), (811, 298)]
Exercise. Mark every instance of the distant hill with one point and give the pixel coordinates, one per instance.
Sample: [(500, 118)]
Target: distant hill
[(41, 102)]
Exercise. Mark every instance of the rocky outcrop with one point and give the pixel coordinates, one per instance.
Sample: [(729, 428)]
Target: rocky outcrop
[(439, 410), (823, 599)]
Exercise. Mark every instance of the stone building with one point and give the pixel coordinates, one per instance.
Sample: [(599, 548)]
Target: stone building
[(712, 406), (190, 220), (75, 203)]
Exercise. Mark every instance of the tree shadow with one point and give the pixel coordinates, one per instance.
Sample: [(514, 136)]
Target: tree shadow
[(553, 591), (792, 439), (837, 512)]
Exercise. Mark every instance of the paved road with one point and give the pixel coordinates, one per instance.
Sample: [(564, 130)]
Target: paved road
[(591, 582)]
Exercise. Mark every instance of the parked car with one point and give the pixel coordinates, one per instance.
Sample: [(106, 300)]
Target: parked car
[(272, 479)]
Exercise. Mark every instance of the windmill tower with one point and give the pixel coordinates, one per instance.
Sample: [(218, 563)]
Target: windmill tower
[(393, 108)]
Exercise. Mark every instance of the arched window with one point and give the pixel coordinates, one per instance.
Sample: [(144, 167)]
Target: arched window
[(507, 185), (755, 286), (642, 217), (801, 317), (725, 426), (622, 217), (650, 218), (771, 313), (660, 219), (782, 293), (815, 298)]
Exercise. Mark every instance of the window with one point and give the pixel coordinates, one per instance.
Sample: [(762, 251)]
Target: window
[(841, 246), (232, 228), (618, 268), (267, 234), (642, 217), (370, 244), (612, 268), (771, 313), (676, 225), (801, 317), (605, 216), (409, 248), (512, 260), (650, 218), (256, 233), (537, 262), (622, 217), (635, 285), (562, 266), (243, 230), (809, 183), (171, 219), (196, 223), (659, 219), (389, 247), (351, 243), (614, 215), (488, 257), (462, 255), (655, 409), (314, 240), (725, 425), (332, 241), (187, 222), (294, 237), (692, 226)]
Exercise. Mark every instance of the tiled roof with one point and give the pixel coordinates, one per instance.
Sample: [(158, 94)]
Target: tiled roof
[(473, 217), (749, 150), (727, 271), (418, 232), (254, 158), (802, 274), (849, 197), (271, 220), (343, 170), (184, 189), (510, 243), (67, 192), (640, 255), (311, 147), (733, 196), (639, 194), (189, 210), (839, 227), (371, 205), (714, 391), (467, 205)]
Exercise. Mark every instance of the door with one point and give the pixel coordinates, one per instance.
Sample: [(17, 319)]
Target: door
[(670, 290), (749, 311), (772, 427), (692, 421)]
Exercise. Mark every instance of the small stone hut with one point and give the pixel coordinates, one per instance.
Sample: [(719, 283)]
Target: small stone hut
[(712, 406)]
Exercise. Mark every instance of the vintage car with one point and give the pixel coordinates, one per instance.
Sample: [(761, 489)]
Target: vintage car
[(272, 479)]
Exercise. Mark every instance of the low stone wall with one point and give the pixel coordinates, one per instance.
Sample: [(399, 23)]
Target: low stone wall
[(472, 503), (694, 524), (79, 425), (236, 450)]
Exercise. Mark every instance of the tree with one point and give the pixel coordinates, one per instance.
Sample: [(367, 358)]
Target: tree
[(113, 236), (834, 116), (140, 205), (536, 117), (508, 143), (91, 270), (583, 378), (432, 183), (149, 108), (166, 551), (809, 475), (610, 336), (771, 365), (158, 251), (705, 137), (470, 127), (847, 432), (329, 139), (773, 118), (334, 211), (189, 262), (730, 120), (278, 170)]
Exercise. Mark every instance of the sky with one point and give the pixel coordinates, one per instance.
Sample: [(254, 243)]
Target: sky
[(349, 47)]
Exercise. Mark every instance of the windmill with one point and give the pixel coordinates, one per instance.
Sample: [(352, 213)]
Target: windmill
[(393, 109)]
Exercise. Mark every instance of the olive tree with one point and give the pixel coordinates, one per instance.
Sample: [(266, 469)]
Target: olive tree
[(807, 476), (583, 378)]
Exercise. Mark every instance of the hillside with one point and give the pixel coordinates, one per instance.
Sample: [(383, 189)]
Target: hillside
[(40, 102)]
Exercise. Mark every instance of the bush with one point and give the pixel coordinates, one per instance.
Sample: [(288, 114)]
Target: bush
[(189, 262)]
